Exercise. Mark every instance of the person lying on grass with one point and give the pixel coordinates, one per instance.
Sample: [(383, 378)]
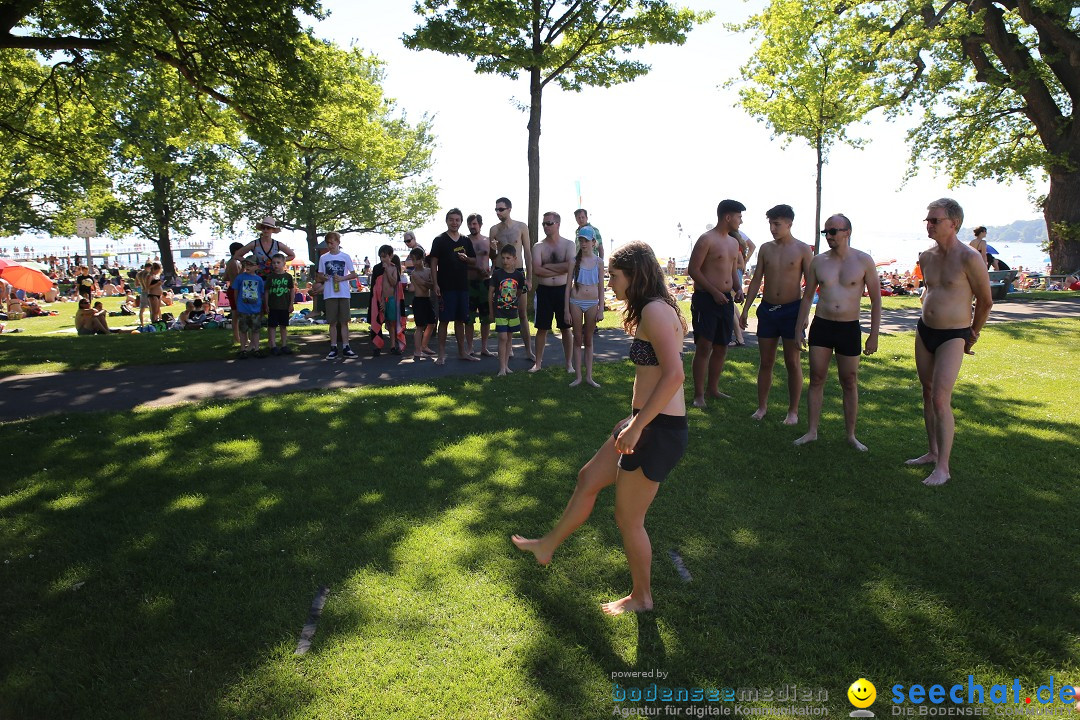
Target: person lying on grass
[(646, 445)]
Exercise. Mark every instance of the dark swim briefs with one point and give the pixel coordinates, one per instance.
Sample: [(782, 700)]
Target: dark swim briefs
[(843, 336), (660, 446), (933, 338), (712, 321), (777, 320)]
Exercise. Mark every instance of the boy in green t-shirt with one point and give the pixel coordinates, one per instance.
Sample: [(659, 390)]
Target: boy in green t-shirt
[(280, 294)]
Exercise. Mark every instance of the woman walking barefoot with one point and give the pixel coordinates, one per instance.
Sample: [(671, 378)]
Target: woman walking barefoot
[(584, 305), (644, 447)]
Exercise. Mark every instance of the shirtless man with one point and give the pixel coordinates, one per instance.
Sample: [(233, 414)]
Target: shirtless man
[(840, 274), (516, 233), (713, 267), (552, 259), (979, 243), (783, 262), (954, 274), (478, 289)]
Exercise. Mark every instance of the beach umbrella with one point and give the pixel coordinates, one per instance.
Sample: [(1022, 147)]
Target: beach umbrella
[(25, 278), (990, 249), (34, 265), (198, 254), (5, 263), (298, 262)]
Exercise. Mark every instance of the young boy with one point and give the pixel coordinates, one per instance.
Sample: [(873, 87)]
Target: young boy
[(423, 311), (335, 271), (507, 285), (279, 303), (250, 291)]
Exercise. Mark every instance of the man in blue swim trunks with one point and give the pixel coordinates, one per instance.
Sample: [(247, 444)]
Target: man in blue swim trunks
[(954, 274), (713, 265), (783, 263)]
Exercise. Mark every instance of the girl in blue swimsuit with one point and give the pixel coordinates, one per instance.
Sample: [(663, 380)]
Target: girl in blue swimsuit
[(647, 444), (585, 302)]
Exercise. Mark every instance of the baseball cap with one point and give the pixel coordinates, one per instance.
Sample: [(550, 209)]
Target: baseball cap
[(249, 260), (587, 233)]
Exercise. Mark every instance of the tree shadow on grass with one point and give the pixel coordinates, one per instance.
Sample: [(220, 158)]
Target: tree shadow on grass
[(176, 553)]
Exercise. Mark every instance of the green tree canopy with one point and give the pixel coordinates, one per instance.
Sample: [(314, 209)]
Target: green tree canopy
[(358, 167), (997, 86), (240, 52), (808, 78), (573, 43)]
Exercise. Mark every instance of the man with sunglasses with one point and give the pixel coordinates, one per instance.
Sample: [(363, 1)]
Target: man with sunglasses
[(553, 257), (782, 263), (516, 233), (839, 275), (954, 274)]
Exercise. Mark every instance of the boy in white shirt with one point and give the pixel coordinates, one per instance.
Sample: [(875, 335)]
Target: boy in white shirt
[(335, 271)]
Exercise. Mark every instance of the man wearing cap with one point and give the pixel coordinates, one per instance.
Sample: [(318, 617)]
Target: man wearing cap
[(264, 247), (582, 217)]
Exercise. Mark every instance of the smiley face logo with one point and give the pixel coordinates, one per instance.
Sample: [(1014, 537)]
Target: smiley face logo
[(862, 693)]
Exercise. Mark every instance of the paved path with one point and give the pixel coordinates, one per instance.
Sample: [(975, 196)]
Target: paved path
[(23, 396)]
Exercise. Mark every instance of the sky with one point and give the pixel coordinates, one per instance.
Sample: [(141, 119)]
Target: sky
[(648, 156)]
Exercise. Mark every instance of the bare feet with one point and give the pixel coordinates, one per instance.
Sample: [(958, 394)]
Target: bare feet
[(627, 604), (502, 373), (570, 370), (473, 358), (853, 442), (759, 414), (592, 382), (535, 367), (440, 361), (719, 395), (576, 383), (807, 438), (699, 402), (791, 419), (429, 353), (926, 459), (938, 477), (486, 353), (534, 546)]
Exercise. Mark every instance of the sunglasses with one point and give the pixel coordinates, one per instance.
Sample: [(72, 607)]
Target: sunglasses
[(499, 209), (832, 231), (935, 221), (548, 222)]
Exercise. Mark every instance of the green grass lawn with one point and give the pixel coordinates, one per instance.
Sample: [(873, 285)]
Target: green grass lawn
[(160, 564)]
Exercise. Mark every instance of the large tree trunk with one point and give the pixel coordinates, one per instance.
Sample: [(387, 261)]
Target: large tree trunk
[(1062, 213), (536, 91), (163, 218)]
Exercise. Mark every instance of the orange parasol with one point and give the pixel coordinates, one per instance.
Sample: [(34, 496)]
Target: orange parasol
[(25, 278)]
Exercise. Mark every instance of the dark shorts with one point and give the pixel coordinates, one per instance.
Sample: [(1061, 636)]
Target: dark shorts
[(231, 294), (843, 337), (550, 302), (277, 318), (423, 312), (478, 300), (933, 338), (454, 306), (777, 320), (712, 321), (661, 445), (249, 322), (507, 323)]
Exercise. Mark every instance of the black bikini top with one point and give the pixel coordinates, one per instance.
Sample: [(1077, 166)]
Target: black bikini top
[(642, 353)]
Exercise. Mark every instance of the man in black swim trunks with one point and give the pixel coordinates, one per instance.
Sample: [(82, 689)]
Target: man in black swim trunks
[(839, 275), (954, 274), (713, 267)]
